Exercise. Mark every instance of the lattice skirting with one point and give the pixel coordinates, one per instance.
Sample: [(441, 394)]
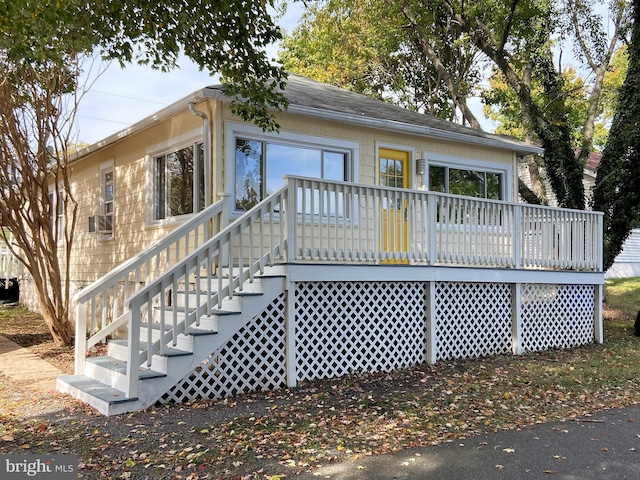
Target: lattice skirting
[(472, 319), (253, 360), (556, 316), (347, 327)]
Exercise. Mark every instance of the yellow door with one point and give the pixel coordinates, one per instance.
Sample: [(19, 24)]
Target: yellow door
[(393, 167)]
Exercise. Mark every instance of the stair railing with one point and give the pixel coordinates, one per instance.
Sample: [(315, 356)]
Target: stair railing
[(100, 309), (221, 265)]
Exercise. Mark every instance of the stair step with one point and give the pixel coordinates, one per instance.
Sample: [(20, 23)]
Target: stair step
[(224, 313), (197, 332), (123, 345), (243, 293), (120, 366), (88, 387)]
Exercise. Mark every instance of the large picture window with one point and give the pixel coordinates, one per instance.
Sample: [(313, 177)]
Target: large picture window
[(179, 182), (470, 183), (260, 166)]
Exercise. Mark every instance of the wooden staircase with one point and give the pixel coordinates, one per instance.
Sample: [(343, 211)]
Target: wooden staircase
[(105, 379)]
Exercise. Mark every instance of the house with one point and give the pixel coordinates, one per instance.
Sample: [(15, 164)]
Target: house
[(218, 259)]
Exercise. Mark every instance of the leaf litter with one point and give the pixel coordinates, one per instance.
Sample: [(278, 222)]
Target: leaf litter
[(273, 435)]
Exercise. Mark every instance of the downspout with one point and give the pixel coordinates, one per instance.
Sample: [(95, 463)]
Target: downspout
[(207, 152)]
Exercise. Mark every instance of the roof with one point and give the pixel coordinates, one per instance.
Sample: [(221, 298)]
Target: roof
[(593, 160), (314, 99)]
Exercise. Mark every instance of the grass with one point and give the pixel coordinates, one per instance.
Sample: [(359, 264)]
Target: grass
[(623, 295), (280, 433)]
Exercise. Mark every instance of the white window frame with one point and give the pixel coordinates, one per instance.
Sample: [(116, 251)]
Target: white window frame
[(437, 160), (249, 132), (191, 138), (105, 168), (57, 215)]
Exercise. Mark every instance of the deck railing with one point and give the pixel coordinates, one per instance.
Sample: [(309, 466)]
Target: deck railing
[(311, 220), (340, 222)]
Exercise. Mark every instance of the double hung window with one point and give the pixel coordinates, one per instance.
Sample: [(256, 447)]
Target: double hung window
[(179, 182)]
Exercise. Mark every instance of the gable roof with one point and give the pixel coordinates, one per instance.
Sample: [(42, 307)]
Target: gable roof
[(314, 99)]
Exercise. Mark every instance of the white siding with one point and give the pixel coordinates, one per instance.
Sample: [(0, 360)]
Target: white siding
[(627, 264)]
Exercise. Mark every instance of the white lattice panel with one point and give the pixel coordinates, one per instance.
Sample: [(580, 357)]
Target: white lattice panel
[(253, 360), (556, 316), (472, 319), (346, 327)]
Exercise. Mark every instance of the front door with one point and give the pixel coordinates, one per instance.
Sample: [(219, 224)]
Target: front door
[(393, 168)]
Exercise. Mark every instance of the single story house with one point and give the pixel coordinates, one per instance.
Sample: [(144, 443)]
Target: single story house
[(216, 258)]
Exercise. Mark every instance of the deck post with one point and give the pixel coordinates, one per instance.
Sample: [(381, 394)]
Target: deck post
[(290, 335), (430, 320), (517, 237), (81, 339), (431, 232), (516, 319), (597, 311)]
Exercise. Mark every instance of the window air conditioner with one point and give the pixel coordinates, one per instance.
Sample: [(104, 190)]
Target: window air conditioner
[(102, 224)]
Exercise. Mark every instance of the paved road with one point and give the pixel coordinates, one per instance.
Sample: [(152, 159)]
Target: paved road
[(604, 446)]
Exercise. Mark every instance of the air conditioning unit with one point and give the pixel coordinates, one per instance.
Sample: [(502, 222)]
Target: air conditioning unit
[(102, 224)]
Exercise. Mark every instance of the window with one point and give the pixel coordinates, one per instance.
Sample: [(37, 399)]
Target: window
[(102, 223), (179, 182), (107, 191), (470, 183), (57, 214), (260, 166)]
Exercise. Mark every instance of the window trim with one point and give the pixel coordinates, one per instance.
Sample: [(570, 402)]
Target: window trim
[(187, 139), (235, 130), (106, 167), (57, 214)]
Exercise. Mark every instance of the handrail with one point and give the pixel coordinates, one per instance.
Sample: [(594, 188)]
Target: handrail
[(144, 256), (102, 302), (359, 223), (216, 257)]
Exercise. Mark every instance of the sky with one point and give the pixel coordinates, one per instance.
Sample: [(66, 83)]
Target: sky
[(118, 97)]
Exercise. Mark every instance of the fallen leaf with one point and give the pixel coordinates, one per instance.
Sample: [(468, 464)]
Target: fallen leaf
[(508, 450)]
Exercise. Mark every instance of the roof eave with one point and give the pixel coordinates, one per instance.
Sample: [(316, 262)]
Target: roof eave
[(147, 122), (520, 148)]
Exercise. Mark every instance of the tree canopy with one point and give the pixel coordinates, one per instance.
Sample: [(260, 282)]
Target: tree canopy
[(227, 37), (42, 44), (363, 46)]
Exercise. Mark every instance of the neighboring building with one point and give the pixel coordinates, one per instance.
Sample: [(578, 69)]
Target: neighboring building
[(627, 263), (219, 259)]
